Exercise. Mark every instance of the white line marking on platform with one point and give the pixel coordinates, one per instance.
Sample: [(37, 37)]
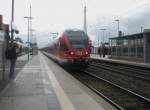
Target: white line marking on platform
[(61, 95), (45, 81), (48, 91)]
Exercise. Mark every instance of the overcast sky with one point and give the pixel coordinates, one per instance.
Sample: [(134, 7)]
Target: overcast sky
[(60, 14)]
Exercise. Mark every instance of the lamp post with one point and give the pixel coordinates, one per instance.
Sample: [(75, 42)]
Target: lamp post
[(141, 29), (12, 20), (103, 30), (28, 19), (117, 20), (85, 19), (98, 39)]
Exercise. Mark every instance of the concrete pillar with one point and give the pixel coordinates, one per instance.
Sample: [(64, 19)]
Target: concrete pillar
[(146, 36), (116, 47), (122, 47), (111, 46), (136, 46), (129, 47)]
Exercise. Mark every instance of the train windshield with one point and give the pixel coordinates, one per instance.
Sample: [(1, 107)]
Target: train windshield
[(78, 39)]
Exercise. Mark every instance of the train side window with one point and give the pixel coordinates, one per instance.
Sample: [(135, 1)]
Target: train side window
[(63, 47)]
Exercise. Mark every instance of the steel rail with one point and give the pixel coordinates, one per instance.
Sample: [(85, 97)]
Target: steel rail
[(133, 93), (103, 96), (142, 67), (127, 68), (122, 72)]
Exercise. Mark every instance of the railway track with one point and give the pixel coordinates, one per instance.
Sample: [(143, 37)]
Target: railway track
[(118, 95), (128, 71), (140, 70), (121, 98), (135, 79)]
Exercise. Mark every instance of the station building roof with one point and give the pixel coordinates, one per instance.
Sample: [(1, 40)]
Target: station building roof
[(132, 36)]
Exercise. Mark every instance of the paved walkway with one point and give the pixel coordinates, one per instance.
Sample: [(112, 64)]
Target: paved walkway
[(30, 90), (43, 85), (4, 77)]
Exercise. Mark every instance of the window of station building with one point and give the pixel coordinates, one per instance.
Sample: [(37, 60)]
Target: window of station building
[(113, 42), (125, 47), (142, 41), (140, 48), (132, 47), (117, 42), (132, 42), (125, 42), (139, 41), (113, 46)]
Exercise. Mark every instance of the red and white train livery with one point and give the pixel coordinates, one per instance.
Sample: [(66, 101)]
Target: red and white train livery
[(72, 46)]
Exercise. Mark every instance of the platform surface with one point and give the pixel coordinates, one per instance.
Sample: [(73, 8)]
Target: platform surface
[(96, 56), (43, 85), (4, 76)]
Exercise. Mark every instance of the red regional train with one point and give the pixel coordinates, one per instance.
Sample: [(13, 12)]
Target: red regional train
[(71, 47)]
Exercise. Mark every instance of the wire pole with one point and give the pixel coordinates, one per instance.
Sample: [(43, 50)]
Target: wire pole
[(103, 34), (12, 20), (98, 39), (31, 28), (117, 20), (141, 29), (85, 22), (28, 19), (28, 40)]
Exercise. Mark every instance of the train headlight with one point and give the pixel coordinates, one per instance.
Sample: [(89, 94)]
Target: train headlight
[(71, 53), (86, 53)]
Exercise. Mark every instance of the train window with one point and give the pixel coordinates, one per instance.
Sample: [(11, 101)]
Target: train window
[(78, 39), (76, 34), (63, 47), (79, 43)]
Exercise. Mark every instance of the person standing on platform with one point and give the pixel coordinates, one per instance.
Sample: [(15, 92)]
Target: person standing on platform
[(104, 51), (99, 51), (11, 54)]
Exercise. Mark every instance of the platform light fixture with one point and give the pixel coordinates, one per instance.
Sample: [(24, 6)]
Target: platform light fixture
[(103, 30), (12, 20), (28, 19), (118, 21)]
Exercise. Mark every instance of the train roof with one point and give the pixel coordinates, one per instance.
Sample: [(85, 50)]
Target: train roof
[(76, 32)]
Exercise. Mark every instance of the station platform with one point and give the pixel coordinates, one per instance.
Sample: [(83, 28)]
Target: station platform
[(106, 58), (4, 76), (43, 85)]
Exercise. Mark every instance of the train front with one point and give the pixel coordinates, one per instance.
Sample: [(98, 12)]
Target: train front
[(79, 47)]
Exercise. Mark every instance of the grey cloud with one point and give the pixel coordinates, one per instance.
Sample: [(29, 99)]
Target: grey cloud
[(134, 20), (130, 22)]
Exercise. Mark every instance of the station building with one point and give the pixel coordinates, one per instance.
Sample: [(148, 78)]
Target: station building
[(135, 47), (4, 36)]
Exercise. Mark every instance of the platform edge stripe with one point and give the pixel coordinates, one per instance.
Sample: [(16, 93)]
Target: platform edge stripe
[(61, 95)]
